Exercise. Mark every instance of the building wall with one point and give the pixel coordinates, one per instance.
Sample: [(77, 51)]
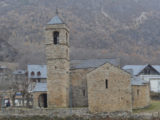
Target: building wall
[(79, 87), (57, 66), (117, 97), (154, 82), (140, 96)]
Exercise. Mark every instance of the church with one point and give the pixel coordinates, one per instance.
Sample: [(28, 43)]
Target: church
[(99, 84)]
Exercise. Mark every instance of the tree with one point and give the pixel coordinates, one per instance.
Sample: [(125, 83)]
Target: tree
[(21, 84)]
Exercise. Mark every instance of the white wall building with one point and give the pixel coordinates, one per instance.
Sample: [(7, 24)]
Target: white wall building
[(149, 73)]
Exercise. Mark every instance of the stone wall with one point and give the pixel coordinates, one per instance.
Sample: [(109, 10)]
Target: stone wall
[(77, 113), (117, 97), (79, 87), (58, 112), (58, 84), (140, 96)]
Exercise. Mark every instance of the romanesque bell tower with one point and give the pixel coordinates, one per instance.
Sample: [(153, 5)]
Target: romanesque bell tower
[(57, 53)]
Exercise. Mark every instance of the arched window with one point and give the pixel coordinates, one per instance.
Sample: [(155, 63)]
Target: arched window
[(55, 37), (38, 73), (32, 73)]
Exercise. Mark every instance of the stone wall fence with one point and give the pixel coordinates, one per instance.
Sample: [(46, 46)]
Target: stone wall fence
[(80, 112)]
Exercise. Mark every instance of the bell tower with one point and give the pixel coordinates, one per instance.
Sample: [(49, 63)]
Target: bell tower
[(57, 54)]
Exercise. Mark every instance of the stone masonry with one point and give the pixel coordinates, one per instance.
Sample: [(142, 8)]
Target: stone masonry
[(57, 65), (96, 83), (140, 96), (79, 87), (117, 97)]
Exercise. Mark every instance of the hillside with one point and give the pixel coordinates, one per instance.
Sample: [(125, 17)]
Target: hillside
[(126, 29), (7, 52)]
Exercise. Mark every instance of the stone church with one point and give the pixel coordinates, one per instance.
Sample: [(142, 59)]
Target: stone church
[(98, 84)]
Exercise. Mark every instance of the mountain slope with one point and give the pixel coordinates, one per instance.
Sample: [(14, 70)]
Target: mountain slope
[(126, 29), (7, 52)]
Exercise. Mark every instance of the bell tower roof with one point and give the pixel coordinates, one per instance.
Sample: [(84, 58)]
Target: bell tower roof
[(56, 20)]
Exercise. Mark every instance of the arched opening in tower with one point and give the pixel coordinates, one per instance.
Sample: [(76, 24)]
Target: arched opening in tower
[(42, 100)]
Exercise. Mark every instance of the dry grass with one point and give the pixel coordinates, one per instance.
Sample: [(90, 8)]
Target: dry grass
[(154, 107)]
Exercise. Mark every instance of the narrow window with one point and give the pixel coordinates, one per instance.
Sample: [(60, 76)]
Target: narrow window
[(66, 36), (137, 92), (84, 92), (56, 37), (39, 73), (106, 83), (32, 73)]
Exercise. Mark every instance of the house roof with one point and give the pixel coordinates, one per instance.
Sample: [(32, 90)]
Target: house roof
[(19, 72), (138, 81), (40, 87), (92, 63), (55, 20), (157, 67), (37, 68), (138, 68), (135, 68)]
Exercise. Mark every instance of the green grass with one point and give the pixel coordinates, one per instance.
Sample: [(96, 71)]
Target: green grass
[(153, 107)]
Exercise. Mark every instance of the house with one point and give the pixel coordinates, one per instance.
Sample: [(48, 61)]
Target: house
[(36, 74), (150, 73)]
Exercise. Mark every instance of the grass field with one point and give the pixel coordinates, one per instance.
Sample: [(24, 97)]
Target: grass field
[(153, 107)]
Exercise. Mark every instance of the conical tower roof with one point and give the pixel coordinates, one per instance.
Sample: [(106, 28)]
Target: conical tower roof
[(55, 20)]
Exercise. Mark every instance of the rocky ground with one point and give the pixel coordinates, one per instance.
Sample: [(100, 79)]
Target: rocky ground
[(70, 118)]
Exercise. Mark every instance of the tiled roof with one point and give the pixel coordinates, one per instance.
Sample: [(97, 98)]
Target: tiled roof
[(40, 87), (37, 68), (135, 68), (138, 81), (19, 72), (75, 64), (55, 20), (92, 63)]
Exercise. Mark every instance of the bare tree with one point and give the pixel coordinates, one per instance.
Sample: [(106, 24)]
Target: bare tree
[(22, 86)]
